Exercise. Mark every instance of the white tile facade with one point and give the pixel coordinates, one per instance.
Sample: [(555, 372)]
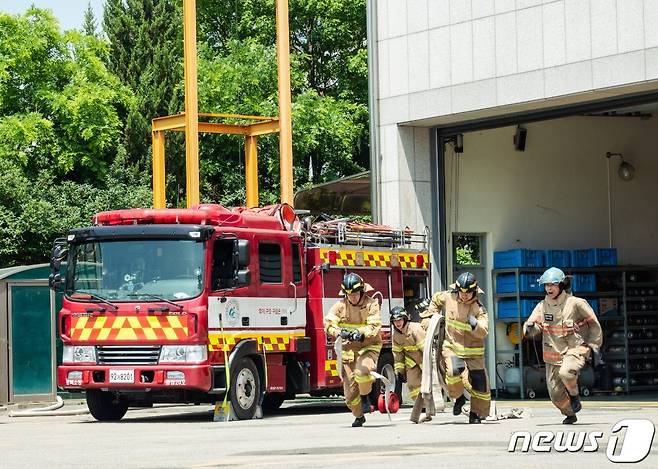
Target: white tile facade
[(442, 57)]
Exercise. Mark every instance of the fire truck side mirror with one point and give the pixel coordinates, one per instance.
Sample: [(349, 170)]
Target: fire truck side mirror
[(55, 281), (59, 253), (242, 248), (243, 278)]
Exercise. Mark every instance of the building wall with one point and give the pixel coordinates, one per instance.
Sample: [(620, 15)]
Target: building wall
[(447, 60), (441, 57)]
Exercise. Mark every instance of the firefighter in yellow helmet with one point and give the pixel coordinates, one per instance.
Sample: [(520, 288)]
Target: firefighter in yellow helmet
[(571, 333), (408, 340), (356, 320), (466, 326)]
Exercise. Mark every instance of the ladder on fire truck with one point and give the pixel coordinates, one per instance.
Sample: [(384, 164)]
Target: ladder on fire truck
[(346, 232)]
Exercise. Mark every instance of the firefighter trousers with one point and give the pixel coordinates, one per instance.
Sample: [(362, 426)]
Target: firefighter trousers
[(414, 377), (562, 379), (468, 373), (357, 380)]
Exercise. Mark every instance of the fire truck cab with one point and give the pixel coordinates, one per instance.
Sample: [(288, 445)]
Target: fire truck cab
[(187, 305)]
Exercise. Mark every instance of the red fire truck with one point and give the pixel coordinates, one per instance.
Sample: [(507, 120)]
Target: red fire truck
[(186, 305)]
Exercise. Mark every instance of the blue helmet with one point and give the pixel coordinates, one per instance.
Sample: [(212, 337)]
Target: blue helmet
[(552, 275)]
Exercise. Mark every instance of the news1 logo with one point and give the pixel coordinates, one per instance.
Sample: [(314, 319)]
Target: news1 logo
[(636, 444)]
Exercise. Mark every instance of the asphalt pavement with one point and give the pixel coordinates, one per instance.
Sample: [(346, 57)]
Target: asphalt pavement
[(317, 433)]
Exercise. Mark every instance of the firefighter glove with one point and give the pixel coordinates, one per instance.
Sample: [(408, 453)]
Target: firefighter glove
[(346, 333), (356, 336), (530, 330), (472, 321), (401, 378)]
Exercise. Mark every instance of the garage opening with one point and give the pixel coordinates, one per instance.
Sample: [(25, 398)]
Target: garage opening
[(573, 187)]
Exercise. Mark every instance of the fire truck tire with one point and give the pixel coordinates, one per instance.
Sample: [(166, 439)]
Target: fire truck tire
[(244, 389), (273, 401), (105, 406)]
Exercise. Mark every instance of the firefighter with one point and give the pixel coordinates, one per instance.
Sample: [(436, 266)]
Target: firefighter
[(571, 333), (408, 340), (466, 326), (356, 320)]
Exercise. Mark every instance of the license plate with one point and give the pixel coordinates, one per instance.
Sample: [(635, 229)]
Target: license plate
[(122, 376)]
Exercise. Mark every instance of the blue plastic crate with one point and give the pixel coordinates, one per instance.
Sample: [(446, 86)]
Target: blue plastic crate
[(506, 283), (584, 283), (518, 258), (605, 256), (593, 257), (557, 258), (594, 304), (582, 258), (509, 309)]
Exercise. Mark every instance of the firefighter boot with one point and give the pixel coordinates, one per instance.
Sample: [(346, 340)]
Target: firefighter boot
[(365, 404), (474, 418), (576, 406), (459, 403), (359, 421), (570, 420)]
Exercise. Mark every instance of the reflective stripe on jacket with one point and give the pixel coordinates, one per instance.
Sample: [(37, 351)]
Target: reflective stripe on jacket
[(365, 317), (408, 346), (460, 337), (567, 323)]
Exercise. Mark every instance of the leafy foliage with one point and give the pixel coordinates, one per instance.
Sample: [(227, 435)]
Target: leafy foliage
[(76, 107), (329, 83), (60, 128), (146, 53)]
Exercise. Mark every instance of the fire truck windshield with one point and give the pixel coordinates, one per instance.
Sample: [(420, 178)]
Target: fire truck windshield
[(117, 270)]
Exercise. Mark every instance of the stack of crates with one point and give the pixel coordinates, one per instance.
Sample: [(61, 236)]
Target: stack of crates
[(508, 309), (584, 283), (593, 257), (557, 258), (518, 258), (527, 283)]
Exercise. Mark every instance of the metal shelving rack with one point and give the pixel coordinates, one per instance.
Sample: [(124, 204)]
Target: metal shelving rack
[(622, 320)]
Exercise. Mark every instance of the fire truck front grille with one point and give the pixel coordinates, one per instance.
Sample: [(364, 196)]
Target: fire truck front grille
[(128, 354)]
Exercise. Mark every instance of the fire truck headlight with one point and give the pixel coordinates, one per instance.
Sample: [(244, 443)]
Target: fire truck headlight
[(79, 354), (183, 354), (197, 353)]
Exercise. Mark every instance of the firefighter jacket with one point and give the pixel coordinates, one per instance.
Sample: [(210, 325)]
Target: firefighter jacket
[(568, 323), (464, 340), (364, 316), (408, 346)]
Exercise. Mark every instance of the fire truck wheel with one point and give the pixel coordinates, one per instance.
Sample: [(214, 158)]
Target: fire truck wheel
[(105, 406), (244, 389), (273, 401)]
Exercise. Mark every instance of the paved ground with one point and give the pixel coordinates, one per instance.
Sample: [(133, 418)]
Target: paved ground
[(307, 433)]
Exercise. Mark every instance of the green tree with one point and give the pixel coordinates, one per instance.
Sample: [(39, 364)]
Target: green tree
[(329, 36), (61, 126), (61, 109), (329, 84), (146, 50), (89, 24), (244, 81)]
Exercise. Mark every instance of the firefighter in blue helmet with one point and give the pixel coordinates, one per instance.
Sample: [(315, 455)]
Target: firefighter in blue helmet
[(356, 321), (571, 333)]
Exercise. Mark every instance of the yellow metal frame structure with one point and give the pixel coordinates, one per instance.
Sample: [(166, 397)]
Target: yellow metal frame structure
[(188, 121), (178, 123)]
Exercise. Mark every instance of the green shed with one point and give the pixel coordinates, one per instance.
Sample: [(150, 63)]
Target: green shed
[(28, 343)]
